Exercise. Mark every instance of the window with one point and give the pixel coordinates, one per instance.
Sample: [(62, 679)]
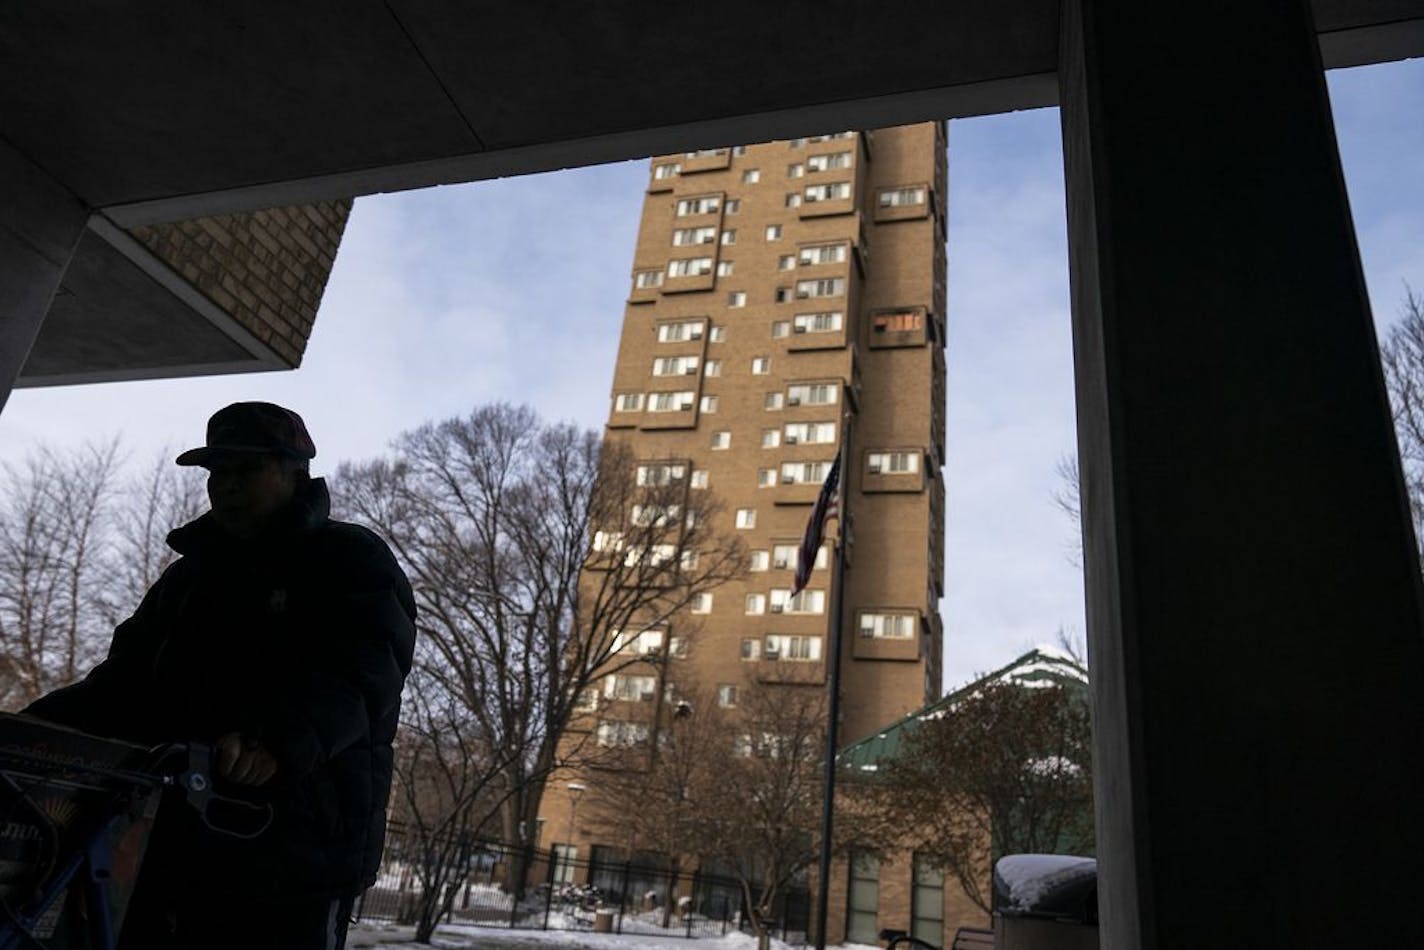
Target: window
[(797, 143), (863, 901), (644, 279), (783, 557), (804, 473), (617, 733), (722, 439), (829, 192), (660, 474), (621, 686), (628, 402), (887, 626), (564, 855), (675, 366), (641, 643), (773, 232), (751, 648), (761, 365), (679, 332), (781, 328), (756, 604), (707, 153), (823, 254), (828, 322), (746, 518), (666, 170), (709, 404), (821, 163), (685, 236), (766, 477), (905, 321), (770, 438), (830, 137), (670, 402), (793, 200), (812, 394), (654, 515), (734, 205), (795, 171), (772, 401), (690, 267), (699, 478), (587, 699), (893, 463), (751, 176), (786, 262), (828, 287), (739, 150), (783, 294), (689, 206), (724, 268), (726, 695), (927, 900), (717, 335), (899, 197), (810, 433), (779, 646), (806, 602), (713, 368), (737, 298), (607, 541), (701, 603), (759, 561), (729, 237)]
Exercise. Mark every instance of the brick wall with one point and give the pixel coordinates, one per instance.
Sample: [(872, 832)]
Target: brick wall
[(266, 269)]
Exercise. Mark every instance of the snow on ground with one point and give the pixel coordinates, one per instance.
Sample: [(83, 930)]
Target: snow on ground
[(372, 936)]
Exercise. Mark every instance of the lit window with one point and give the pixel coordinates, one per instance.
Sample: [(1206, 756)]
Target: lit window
[(899, 197), (729, 237), (746, 517), (737, 298), (793, 200), (675, 366), (726, 695), (772, 401), (751, 176), (751, 648), (761, 365), (666, 170), (644, 279), (714, 367), (821, 163), (770, 438), (699, 478), (893, 463), (827, 322), (904, 321), (628, 402), (795, 171), (780, 329), (823, 254), (833, 191), (724, 268), (722, 439), (812, 394), (717, 335), (766, 477), (786, 262), (678, 332), (701, 603), (828, 287), (685, 236), (756, 604), (690, 206), (773, 232), (709, 403), (759, 561), (671, 402), (690, 267), (887, 626)]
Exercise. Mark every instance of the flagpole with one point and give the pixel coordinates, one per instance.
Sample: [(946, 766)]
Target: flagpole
[(833, 706)]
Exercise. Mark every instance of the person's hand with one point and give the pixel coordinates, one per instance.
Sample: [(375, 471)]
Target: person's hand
[(244, 761)]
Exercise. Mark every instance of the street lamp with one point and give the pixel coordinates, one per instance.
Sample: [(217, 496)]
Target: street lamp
[(575, 790)]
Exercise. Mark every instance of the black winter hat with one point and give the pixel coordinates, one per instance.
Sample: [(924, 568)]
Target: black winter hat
[(252, 428)]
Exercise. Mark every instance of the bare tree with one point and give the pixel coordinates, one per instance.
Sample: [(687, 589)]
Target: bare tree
[(149, 505), (1008, 767), (533, 549), (1403, 358), (1068, 498), (53, 541)]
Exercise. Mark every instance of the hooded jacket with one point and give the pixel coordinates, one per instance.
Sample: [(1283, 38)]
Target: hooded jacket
[(301, 639)]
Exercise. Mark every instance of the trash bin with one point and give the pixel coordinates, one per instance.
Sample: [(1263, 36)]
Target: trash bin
[(603, 921), (1045, 902)]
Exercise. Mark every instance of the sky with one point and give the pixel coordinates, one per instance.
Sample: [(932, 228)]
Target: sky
[(447, 298)]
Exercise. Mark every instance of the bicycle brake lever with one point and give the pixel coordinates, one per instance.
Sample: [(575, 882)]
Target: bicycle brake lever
[(197, 783)]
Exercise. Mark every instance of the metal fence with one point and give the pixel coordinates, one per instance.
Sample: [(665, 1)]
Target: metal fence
[(635, 895)]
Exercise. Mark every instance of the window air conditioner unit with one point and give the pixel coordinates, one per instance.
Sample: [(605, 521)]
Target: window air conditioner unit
[(790, 439), (771, 653), (709, 238), (776, 609), (648, 696), (802, 294), (788, 479), (799, 328), (793, 401), (690, 370), (696, 334), (874, 469), (780, 563), (686, 406)]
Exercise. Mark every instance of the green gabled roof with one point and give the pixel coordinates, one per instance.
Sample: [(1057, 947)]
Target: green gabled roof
[(1041, 666)]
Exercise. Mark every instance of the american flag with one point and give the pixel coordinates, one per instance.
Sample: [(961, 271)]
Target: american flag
[(827, 507)]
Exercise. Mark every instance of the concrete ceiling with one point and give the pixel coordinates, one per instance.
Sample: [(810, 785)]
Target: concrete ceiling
[(171, 108)]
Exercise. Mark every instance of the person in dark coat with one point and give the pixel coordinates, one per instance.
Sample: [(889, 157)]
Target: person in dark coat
[(282, 638)]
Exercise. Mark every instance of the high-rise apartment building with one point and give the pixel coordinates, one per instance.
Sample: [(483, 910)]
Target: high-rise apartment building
[(785, 297)]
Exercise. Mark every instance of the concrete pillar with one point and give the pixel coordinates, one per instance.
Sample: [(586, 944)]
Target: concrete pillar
[(1254, 602), (40, 225)]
